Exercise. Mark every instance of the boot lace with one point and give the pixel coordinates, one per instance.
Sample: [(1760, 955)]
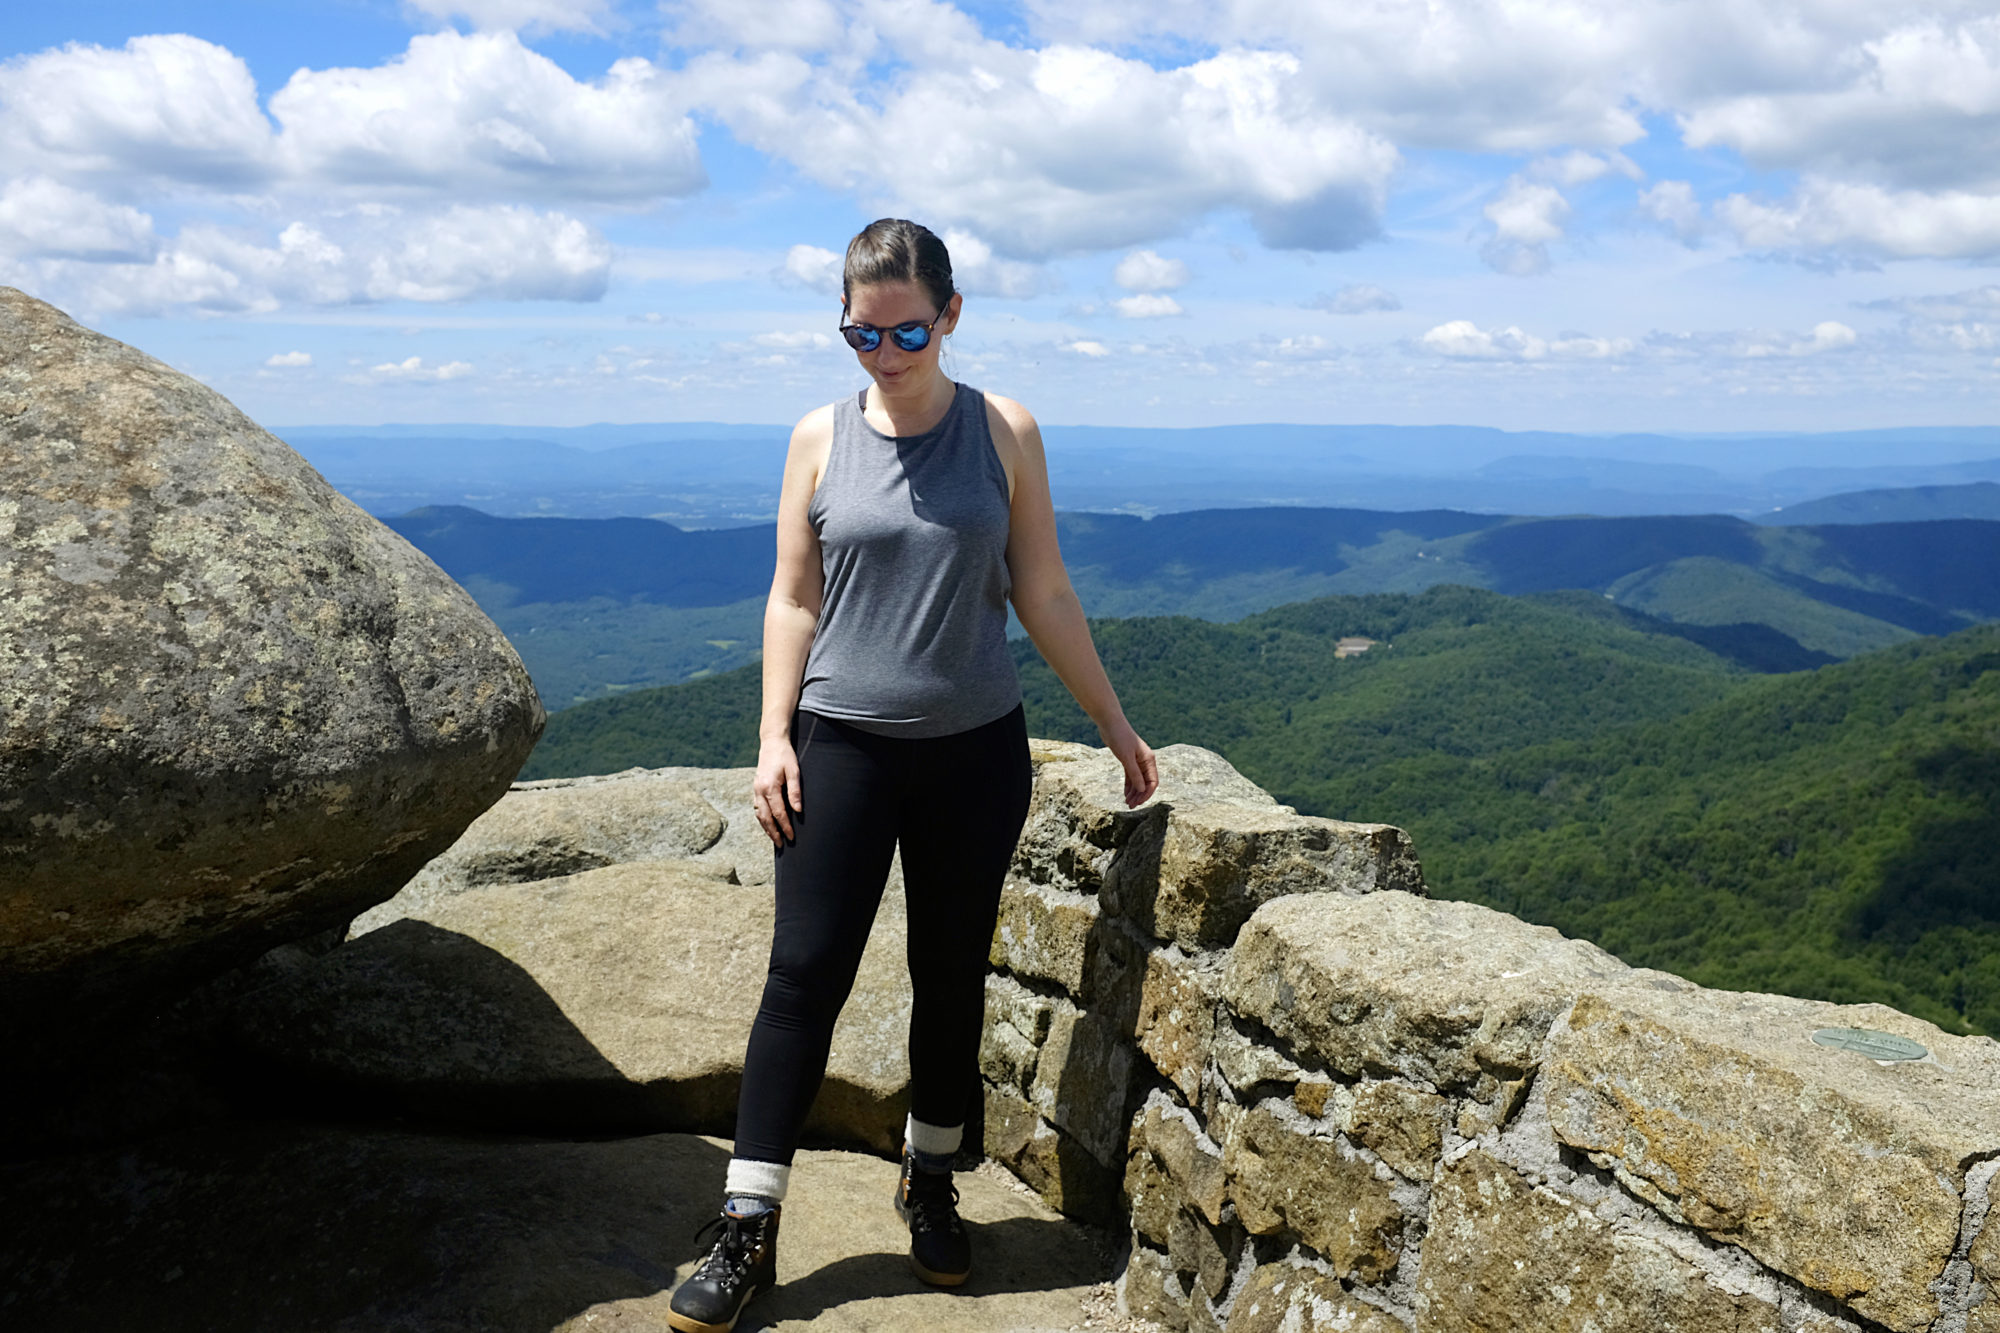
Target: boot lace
[(733, 1252), (932, 1200)]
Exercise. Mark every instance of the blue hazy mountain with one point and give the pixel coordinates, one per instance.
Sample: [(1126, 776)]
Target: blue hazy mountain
[(1979, 499), (710, 475), (601, 605)]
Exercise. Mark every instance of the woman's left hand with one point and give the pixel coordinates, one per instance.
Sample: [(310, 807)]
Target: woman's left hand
[(1142, 771)]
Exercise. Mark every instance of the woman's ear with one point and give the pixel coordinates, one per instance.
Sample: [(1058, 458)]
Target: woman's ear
[(951, 309)]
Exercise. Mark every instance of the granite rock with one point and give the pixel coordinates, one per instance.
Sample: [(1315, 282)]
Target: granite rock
[(1830, 1167), (1502, 1255), (235, 710), (1280, 1298), (617, 998)]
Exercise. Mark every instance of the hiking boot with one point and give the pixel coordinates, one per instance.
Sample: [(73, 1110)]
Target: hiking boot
[(940, 1250), (742, 1262)]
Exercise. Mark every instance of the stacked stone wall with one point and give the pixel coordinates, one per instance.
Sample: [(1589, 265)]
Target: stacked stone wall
[(1321, 1100)]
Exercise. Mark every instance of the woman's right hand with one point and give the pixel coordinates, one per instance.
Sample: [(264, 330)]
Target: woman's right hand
[(774, 792)]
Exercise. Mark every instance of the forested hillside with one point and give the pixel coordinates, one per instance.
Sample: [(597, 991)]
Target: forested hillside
[(1830, 833), (601, 606)]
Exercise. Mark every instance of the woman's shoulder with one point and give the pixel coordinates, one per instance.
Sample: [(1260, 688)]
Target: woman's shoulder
[(1005, 411), (816, 424)]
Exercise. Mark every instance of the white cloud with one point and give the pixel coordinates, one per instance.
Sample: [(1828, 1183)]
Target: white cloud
[(413, 368), (284, 360), (483, 115), (45, 219), (1826, 336), (1461, 339), (524, 15), (977, 270), (1577, 167), (1590, 349), (1672, 203), (1086, 347), (1356, 298), (765, 25), (1827, 215), (168, 106), (502, 253), (1147, 305), (812, 267), (1060, 148), (792, 338), (1146, 271), (1464, 340), (1525, 219)]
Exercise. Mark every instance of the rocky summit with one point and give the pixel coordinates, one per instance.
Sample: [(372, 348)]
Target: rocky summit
[(234, 708)]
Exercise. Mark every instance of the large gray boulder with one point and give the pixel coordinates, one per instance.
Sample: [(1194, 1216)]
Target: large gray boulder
[(234, 709)]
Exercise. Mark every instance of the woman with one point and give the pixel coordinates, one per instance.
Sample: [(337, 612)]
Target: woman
[(910, 515)]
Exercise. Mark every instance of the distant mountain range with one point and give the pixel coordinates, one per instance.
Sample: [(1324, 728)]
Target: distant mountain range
[(600, 606), (1979, 499), (711, 475)]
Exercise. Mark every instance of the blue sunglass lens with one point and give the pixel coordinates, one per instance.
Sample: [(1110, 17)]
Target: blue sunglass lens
[(912, 337)]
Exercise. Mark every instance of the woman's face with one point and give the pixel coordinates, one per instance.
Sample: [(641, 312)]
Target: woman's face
[(884, 305)]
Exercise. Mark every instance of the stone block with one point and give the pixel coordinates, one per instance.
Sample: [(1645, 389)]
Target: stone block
[(1174, 1025), (1028, 1012), (1006, 1057), (1985, 1256), (1283, 1179), (1280, 1298), (1083, 1079), (1504, 1256), (1840, 1172), (1054, 1165), (1206, 1254), (1169, 1136), (1404, 1126), (1446, 994), (1045, 933), (1149, 1288), (1245, 1062), (1196, 876)]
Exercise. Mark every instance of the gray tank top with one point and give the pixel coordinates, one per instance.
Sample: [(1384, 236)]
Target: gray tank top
[(912, 636)]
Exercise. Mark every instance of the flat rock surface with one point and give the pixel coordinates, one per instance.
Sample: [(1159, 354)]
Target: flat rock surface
[(274, 1228), (616, 999)]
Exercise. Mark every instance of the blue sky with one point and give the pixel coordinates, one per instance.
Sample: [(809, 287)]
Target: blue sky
[(1602, 215)]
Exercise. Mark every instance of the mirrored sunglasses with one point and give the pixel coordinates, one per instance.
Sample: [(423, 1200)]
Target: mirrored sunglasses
[(911, 337)]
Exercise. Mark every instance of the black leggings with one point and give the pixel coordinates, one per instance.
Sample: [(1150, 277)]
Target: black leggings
[(956, 805)]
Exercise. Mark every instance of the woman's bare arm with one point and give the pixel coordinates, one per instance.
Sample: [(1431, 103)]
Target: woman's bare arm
[(1048, 605), (791, 614)]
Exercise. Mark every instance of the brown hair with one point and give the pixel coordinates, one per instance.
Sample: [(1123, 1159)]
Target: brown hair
[(897, 250)]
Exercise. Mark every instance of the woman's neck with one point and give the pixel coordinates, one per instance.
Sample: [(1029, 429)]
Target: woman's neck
[(912, 409)]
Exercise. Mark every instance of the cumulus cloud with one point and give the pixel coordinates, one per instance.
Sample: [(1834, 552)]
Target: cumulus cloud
[(504, 253), (289, 360), (1463, 340), (1086, 347), (1058, 148), (811, 267), (1579, 168), (1356, 298), (1524, 220), (976, 269), (764, 25), (791, 339), (414, 369), (1673, 205), (1146, 271), (1867, 220), (168, 106), (1826, 336), (45, 219), (481, 114), (523, 15), (1147, 305), (455, 116)]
